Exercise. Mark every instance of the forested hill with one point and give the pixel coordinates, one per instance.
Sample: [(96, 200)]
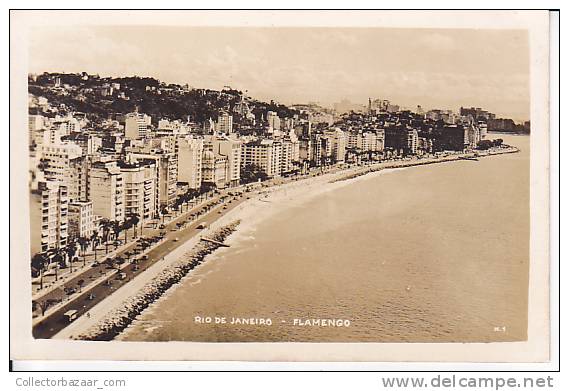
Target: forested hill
[(101, 98)]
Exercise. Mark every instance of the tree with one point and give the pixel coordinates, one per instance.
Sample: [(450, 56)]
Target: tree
[(95, 242), (106, 225), (252, 173), (163, 212), (70, 250), (39, 262), (45, 304), (58, 258), (116, 225), (133, 222), (83, 243)]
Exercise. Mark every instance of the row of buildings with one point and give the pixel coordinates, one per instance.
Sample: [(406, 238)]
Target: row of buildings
[(81, 176)]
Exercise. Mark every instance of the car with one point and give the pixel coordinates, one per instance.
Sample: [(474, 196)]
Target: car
[(70, 291), (95, 264), (145, 257), (121, 276), (176, 239)]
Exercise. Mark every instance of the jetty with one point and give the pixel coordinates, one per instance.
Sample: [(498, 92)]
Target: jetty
[(220, 244), (473, 158)]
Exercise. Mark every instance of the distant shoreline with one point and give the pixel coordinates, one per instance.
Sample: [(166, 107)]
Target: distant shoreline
[(419, 162)]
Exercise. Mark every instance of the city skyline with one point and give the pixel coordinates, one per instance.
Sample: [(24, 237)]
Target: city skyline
[(482, 68)]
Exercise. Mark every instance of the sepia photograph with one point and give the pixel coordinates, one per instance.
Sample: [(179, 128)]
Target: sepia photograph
[(232, 182)]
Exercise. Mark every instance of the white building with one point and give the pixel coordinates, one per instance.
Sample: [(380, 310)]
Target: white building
[(214, 169), (136, 125), (380, 140), (54, 215), (66, 125), (81, 219), (265, 154), (224, 123), (412, 141), (287, 150), (61, 162), (274, 122), (167, 169), (140, 189), (106, 190), (483, 130), (231, 148), (166, 127), (338, 144), (190, 152)]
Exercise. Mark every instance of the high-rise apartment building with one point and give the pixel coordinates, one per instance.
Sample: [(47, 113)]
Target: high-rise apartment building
[(231, 148), (224, 123), (106, 190), (265, 154), (80, 219), (54, 215), (136, 126), (214, 169), (140, 189), (338, 144), (190, 152)]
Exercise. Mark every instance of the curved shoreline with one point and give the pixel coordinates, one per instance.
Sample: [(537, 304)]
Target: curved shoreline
[(412, 163), (120, 318)]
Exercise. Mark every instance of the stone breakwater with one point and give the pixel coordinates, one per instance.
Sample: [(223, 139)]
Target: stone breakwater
[(120, 318), (412, 163)]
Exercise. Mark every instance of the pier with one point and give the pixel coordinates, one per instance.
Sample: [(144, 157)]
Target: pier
[(221, 244), (473, 158)]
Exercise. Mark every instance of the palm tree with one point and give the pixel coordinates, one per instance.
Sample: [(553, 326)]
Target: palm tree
[(106, 225), (125, 226), (58, 258), (134, 219), (116, 225), (70, 250), (164, 212), (95, 242), (83, 243), (38, 263)]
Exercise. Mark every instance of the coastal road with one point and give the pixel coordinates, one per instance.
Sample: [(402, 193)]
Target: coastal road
[(88, 275), (83, 301), (55, 322)]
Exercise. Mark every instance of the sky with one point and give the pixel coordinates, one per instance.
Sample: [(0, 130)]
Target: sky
[(434, 68)]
